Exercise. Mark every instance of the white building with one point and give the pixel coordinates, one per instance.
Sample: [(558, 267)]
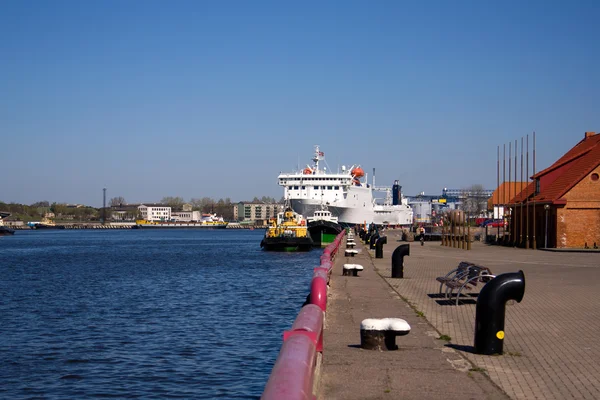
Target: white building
[(155, 213), (186, 216)]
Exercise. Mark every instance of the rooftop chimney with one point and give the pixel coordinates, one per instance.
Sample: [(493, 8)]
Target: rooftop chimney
[(589, 134)]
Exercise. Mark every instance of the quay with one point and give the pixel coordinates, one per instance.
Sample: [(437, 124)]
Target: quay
[(550, 347)]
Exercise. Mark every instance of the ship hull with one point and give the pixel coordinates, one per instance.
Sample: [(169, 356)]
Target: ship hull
[(4, 231), (305, 206), (390, 215), (287, 244), (358, 208), (323, 232), (44, 226)]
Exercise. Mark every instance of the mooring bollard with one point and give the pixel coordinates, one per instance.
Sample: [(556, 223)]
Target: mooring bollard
[(351, 269), (380, 334), (398, 260), (350, 252), (490, 311), (372, 240), (379, 246), (367, 237)]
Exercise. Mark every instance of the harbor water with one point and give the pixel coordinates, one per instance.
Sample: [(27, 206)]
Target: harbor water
[(144, 313)]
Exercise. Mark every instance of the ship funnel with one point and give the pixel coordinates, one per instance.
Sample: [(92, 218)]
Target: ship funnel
[(396, 194)]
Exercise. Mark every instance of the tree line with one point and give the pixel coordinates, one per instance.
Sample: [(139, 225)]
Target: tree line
[(36, 211)]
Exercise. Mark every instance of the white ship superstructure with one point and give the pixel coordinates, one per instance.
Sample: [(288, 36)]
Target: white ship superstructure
[(345, 195)]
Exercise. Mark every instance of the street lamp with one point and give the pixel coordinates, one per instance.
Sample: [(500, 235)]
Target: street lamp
[(546, 207)]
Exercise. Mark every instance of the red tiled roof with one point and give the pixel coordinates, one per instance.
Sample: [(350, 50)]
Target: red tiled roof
[(505, 192), (576, 164), (522, 195), (580, 149)]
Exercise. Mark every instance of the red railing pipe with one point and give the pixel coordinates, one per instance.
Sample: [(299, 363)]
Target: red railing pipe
[(309, 322), (293, 372), (318, 291)]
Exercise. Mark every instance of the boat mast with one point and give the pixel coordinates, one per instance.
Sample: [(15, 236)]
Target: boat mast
[(317, 158)]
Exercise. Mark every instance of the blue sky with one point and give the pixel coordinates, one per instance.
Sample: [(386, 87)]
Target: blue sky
[(213, 99)]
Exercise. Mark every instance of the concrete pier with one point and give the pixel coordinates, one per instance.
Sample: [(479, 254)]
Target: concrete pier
[(550, 347)]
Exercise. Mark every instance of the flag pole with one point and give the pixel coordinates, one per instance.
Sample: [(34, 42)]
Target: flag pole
[(535, 193)]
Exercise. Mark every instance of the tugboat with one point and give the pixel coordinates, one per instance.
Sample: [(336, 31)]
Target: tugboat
[(4, 231), (323, 227), (288, 232), (47, 223)]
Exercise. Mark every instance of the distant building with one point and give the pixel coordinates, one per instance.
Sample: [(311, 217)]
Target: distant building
[(562, 203), (498, 202), (257, 213), (124, 212), (155, 212), (186, 216)]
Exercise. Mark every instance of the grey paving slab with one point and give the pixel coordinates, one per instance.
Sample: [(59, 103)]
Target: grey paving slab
[(551, 349)]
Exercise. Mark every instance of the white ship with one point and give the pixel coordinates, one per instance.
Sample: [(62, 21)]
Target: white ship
[(346, 196)]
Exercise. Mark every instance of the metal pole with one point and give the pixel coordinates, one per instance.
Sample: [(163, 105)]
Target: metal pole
[(503, 189), (521, 185), (104, 206), (535, 193), (527, 199), (498, 196), (513, 218), (509, 190)]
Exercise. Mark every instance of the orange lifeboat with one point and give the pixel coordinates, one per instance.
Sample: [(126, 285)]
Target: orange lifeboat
[(307, 171), (357, 172)]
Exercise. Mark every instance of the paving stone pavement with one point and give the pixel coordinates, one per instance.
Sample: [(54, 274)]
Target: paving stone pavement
[(550, 348), (422, 368)]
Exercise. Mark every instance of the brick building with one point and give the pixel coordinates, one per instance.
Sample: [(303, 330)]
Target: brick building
[(562, 203)]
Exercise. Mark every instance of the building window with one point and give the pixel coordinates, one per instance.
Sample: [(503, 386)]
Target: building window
[(537, 186), (594, 177)]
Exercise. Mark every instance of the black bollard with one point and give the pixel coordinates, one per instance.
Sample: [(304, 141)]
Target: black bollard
[(367, 238), (398, 260), (379, 246), (372, 240), (489, 313)]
